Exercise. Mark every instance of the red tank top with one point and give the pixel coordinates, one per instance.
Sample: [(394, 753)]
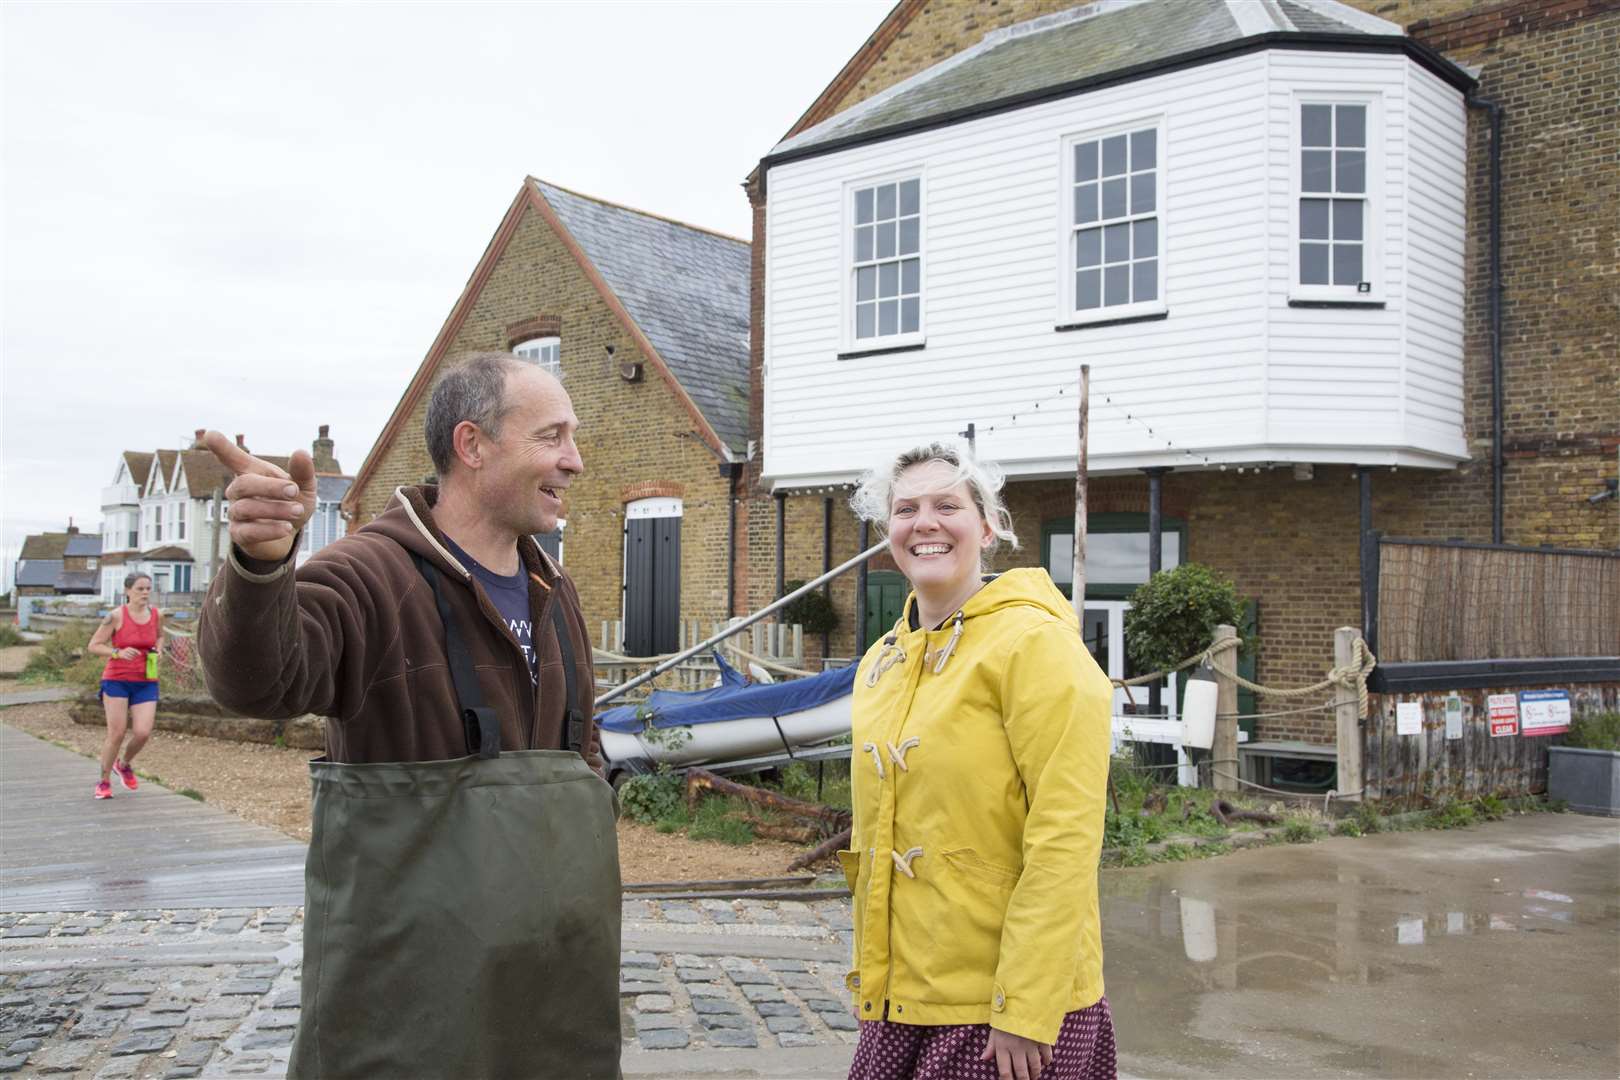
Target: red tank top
[(131, 634)]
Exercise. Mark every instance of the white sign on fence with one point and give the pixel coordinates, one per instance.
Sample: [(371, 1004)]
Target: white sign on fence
[(1544, 712), (1504, 710), (1453, 716), (1409, 718)]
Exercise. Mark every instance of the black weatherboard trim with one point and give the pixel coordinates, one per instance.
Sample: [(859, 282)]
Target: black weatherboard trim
[(1336, 303), (1419, 53), (1416, 677), (856, 354), (1064, 328)]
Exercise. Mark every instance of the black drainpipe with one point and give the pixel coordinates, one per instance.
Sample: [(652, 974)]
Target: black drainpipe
[(1494, 112), (733, 471)]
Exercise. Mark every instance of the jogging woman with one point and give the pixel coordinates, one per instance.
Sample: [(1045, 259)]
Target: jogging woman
[(130, 637)]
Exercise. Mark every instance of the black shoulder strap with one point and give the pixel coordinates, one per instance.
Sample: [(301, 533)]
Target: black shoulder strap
[(573, 719), (483, 727)]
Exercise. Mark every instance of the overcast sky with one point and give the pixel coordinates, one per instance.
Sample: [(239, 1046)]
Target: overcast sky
[(256, 217)]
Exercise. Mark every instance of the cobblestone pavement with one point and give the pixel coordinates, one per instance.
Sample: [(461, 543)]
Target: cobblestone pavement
[(214, 993)]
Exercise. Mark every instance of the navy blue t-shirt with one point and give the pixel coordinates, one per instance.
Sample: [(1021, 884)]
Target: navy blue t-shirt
[(510, 595)]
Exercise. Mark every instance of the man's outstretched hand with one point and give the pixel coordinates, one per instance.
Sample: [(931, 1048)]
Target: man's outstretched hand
[(268, 504)]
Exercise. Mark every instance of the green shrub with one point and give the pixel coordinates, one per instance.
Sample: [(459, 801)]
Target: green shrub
[(1368, 819), (1300, 831), (1456, 815), (1347, 827), (9, 636), (62, 657), (716, 820), (653, 798), (190, 793), (1174, 615), (1595, 731), (813, 611)]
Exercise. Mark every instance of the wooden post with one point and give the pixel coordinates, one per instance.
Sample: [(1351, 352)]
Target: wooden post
[(1223, 755), (1348, 720), (1079, 576)]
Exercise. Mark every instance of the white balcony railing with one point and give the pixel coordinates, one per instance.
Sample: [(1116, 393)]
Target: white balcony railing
[(115, 495)]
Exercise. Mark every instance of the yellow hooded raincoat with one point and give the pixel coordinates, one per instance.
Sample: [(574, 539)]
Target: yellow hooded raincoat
[(979, 773)]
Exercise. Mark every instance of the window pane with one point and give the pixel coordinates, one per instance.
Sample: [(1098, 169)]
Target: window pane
[(911, 276), (863, 244), (1085, 162), (1113, 155), (910, 197), (889, 279), (1346, 264), (1113, 198), (885, 201), (865, 320), (1088, 248), (863, 206), (1144, 149), (908, 315), (1313, 219), (1145, 238), (1116, 285), (1352, 170), (908, 235), (1060, 558), (1316, 125), (1352, 125), (888, 317), (1346, 219), (1143, 189), (885, 240), (1085, 204), (1145, 280), (1316, 170), (866, 283), (1088, 289), (1116, 243), (1313, 264)]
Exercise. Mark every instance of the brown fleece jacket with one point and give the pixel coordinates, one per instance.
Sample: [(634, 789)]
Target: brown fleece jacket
[(355, 636)]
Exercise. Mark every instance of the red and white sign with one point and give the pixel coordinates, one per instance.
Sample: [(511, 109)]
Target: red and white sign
[(1504, 710)]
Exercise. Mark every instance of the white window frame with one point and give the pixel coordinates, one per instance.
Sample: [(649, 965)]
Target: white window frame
[(180, 516), (849, 344), (156, 529), (1372, 247), (1067, 313), (546, 352)]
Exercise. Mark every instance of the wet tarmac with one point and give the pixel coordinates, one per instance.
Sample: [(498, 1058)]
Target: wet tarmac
[(1490, 951)]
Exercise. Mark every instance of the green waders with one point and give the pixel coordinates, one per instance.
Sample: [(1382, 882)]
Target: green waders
[(461, 917)]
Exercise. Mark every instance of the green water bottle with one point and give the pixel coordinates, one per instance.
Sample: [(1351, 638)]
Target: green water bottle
[(151, 664)]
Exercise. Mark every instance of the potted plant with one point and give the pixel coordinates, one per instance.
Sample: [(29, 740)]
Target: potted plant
[(1584, 771)]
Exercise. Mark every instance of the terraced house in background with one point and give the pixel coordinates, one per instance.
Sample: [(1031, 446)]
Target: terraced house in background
[(159, 515), (1276, 230), (645, 320)]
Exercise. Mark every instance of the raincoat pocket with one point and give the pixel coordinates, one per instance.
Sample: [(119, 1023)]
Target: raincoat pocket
[(851, 862)]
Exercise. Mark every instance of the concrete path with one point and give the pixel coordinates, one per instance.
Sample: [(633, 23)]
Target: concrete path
[(62, 850), (34, 697)]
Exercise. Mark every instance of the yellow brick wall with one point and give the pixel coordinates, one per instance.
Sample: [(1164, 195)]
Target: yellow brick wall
[(630, 433)]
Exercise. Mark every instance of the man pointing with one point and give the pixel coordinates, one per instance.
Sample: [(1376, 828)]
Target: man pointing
[(462, 907)]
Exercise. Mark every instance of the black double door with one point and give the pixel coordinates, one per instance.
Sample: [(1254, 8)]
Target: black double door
[(652, 586)]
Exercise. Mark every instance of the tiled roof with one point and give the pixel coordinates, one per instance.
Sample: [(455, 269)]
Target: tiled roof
[(139, 465), (78, 581), (44, 546), (83, 544), (687, 289), (165, 469), (168, 553), (1090, 41)]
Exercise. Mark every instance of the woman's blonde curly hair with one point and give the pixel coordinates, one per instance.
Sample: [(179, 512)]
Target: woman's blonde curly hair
[(875, 494)]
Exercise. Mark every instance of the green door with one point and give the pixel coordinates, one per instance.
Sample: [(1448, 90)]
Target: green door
[(885, 598)]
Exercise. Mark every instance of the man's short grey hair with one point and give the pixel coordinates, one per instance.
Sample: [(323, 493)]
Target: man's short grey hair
[(875, 495), (473, 390)]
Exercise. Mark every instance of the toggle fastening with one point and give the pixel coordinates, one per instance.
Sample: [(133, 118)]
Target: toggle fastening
[(897, 754), (877, 758), (903, 862)]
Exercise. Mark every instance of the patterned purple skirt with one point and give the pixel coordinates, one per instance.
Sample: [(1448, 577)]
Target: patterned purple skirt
[(887, 1051)]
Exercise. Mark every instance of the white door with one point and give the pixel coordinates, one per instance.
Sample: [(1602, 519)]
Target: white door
[(1103, 630)]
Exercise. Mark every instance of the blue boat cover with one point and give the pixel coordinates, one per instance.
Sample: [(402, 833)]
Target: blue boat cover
[(733, 699)]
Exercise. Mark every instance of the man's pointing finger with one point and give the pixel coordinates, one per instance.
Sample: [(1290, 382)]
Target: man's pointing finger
[(238, 460)]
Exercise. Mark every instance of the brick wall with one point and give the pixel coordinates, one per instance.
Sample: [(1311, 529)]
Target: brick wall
[(634, 437)]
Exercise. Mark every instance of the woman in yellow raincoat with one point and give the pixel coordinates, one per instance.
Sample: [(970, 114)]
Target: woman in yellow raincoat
[(981, 730)]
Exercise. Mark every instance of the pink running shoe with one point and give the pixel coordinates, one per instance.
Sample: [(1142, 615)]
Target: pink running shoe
[(126, 774), (103, 790)]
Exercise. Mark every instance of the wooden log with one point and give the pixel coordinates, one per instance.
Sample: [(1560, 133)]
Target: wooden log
[(1226, 814), (700, 780), (824, 850), (792, 834)]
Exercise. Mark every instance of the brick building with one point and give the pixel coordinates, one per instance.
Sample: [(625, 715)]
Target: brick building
[(645, 321), (926, 99), (58, 564)]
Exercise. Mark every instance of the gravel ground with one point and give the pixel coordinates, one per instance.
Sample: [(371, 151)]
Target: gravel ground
[(270, 786), (13, 658)]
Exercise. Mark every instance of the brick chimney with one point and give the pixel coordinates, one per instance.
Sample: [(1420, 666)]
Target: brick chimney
[(240, 443), (72, 528), (321, 450), (197, 443)]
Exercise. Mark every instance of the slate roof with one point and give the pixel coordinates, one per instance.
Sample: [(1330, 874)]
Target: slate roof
[(686, 288), (39, 572), (332, 488), (83, 545), (1090, 41), (78, 581)]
